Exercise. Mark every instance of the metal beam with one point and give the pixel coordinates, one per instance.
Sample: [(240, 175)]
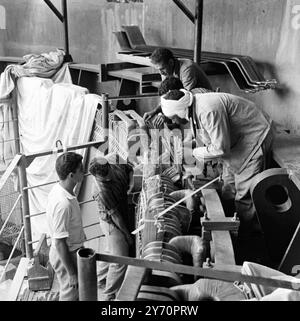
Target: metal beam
[(25, 207), (185, 10), (68, 57), (54, 9), (198, 31)]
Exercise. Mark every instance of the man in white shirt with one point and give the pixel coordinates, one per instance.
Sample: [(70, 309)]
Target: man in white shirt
[(232, 129), (65, 224)]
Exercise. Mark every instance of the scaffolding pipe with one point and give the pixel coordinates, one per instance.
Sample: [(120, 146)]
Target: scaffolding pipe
[(105, 112), (185, 10), (30, 157), (55, 11), (198, 31), (68, 57), (25, 207), (143, 96), (87, 276)]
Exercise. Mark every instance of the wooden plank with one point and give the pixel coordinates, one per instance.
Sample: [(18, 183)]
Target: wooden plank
[(223, 247), (18, 279), (86, 67), (229, 273), (135, 59), (132, 282), (136, 74)]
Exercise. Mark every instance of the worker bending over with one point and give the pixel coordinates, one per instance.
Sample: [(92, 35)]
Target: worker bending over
[(113, 182), (65, 224), (190, 73), (232, 129)]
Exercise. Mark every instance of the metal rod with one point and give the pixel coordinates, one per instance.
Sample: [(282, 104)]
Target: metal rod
[(87, 276), (31, 157), (133, 97), (42, 213), (55, 11), (198, 31), (229, 273), (66, 28), (185, 10), (25, 206), (8, 121), (32, 242), (105, 123), (11, 253), (93, 238), (11, 140), (9, 215), (49, 183)]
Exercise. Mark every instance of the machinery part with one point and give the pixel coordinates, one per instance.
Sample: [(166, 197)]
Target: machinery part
[(159, 251), (168, 279), (87, 276), (277, 202), (150, 293), (191, 244)]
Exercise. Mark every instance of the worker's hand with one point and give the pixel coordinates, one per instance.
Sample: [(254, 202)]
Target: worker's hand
[(147, 116), (131, 188), (73, 281), (159, 120)]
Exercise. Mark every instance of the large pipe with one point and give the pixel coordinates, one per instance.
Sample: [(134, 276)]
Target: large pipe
[(198, 31), (25, 207), (87, 276)]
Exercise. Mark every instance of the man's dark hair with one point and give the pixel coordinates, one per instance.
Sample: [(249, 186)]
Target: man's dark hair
[(99, 166), (174, 95), (67, 163), (169, 83), (161, 55)]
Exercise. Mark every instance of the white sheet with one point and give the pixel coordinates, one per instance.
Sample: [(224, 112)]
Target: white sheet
[(49, 112)]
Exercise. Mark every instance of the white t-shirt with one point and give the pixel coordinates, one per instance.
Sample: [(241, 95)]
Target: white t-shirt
[(64, 217)]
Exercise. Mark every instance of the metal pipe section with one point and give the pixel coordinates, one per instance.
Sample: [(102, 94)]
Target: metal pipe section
[(198, 31), (185, 10), (87, 276), (31, 157), (105, 112), (68, 57), (25, 207), (55, 11), (116, 98)]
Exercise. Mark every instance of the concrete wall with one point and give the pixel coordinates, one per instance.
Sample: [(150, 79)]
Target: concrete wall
[(32, 27), (266, 30)]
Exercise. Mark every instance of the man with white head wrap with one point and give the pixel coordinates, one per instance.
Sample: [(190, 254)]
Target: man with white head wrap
[(233, 129)]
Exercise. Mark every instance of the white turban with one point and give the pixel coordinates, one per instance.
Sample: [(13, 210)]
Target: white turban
[(177, 107)]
